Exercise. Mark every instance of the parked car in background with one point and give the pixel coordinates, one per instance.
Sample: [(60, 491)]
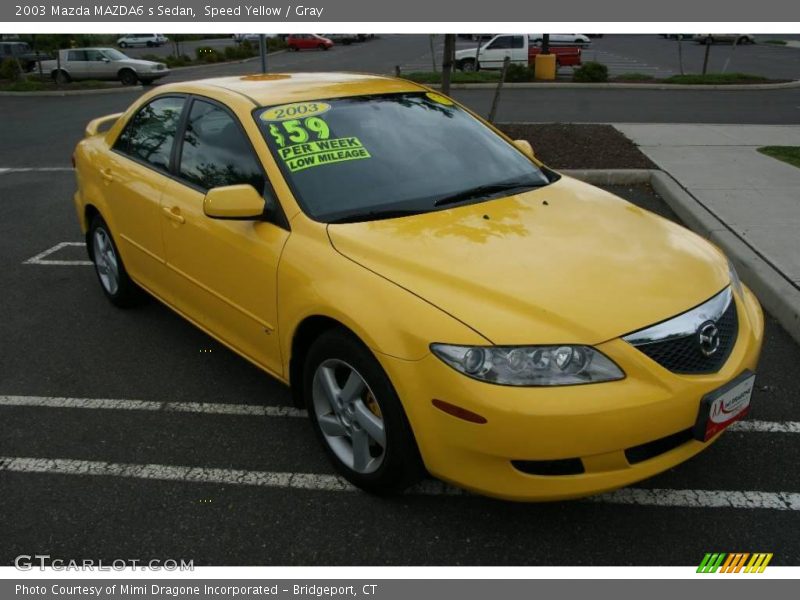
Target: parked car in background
[(562, 38), (22, 52), (342, 38), (728, 38), (103, 64), (519, 48), (308, 41), (142, 39), (251, 37)]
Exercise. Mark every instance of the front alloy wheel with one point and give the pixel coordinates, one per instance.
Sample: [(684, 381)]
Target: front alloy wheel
[(357, 415), (349, 416)]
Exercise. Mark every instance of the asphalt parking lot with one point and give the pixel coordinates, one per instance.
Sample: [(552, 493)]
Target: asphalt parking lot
[(131, 434)]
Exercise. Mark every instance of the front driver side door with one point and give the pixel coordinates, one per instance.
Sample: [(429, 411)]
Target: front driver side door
[(223, 272)]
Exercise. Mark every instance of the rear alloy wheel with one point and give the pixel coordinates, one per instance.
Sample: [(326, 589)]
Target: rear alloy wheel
[(468, 65), (357, 415), (111, 273), (61, 77), (123, 45), (128, 77)]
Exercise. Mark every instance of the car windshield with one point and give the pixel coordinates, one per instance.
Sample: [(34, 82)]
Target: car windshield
[(115, 54), (370, 157)]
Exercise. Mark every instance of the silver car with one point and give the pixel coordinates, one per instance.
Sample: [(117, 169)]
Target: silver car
[(103, 63), (142, 39), (730, 38)]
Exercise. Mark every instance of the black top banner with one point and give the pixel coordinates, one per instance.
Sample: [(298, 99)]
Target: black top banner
[(363, 11)]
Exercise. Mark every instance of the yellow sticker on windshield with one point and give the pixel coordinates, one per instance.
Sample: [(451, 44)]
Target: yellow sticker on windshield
[(322, 152), (439, 99), (294, 111)]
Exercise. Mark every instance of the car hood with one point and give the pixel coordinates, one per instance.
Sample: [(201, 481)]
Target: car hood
[(567, 263)]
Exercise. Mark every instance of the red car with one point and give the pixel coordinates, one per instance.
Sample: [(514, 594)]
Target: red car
[(566, 56), (308, 41)]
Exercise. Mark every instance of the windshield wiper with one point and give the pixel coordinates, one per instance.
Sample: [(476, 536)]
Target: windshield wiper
[(482, 191), (375, 215)]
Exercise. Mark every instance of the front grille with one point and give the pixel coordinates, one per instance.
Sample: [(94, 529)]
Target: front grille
[(657, 447), (683, 354)]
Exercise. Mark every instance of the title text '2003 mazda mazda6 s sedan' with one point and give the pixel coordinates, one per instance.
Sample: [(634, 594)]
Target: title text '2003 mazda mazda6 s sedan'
[(435, 296)]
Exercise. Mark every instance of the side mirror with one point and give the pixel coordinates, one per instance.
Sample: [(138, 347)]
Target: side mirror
[(241, 202), (106, 60), (526, 148)]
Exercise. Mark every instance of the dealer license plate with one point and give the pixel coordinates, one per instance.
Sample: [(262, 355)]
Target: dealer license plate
[(723, 406)]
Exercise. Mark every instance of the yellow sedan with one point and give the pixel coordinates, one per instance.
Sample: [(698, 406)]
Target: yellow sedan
[(435, 296)]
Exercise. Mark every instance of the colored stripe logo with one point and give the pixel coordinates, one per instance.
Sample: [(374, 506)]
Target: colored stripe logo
[(736, 562)]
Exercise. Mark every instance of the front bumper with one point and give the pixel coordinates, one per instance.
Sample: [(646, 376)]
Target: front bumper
[(593, 423)]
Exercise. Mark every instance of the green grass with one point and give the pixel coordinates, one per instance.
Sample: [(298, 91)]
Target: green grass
[(716, 79), (788, 154), (634, 77), (456, 77), (776, 42)]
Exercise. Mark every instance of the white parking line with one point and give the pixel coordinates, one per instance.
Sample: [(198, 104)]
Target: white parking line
[(39, 259), (782, 501), (218, 408), (190, 407), (4, 170)]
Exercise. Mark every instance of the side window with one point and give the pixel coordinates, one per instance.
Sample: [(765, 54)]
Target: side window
[(216, 152), (94, 55), (150, 134), (76, 55), (517, 41), (501, 43)]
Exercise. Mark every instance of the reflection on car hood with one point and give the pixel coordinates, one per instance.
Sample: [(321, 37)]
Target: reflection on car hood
[(568, 263)]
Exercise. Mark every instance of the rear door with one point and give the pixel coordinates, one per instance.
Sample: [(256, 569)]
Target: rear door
[(100, 67), (519, 50), (135, 175), (78, 64), (223, 272)]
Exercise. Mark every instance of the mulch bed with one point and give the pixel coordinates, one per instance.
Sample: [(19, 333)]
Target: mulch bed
[(574, 146)]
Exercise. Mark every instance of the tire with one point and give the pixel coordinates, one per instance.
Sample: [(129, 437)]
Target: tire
[(109, 268), (294, 48), (123, 45), (127, 77), (373, 419), (709, 40), (150, 44), (61, 77), (467, 65), (322, 47), (743, 40)]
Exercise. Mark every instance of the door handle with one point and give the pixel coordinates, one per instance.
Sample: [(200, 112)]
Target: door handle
[(174, 213), (107, 175)]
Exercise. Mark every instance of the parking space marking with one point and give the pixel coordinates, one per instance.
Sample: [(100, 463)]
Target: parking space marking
[(4, 170), (254, 410), (702, 498), (188, 407), (782, 501), (39, 259)]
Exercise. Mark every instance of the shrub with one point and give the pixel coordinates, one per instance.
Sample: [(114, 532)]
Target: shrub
[(10, 69), (208, 54), (591, 72), (180, 61), (517, 73)]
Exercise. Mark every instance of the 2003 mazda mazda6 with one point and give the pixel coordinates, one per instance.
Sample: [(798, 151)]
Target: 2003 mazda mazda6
[(435, 296)]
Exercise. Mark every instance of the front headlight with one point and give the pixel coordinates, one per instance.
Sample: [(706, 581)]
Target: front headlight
[(530, 365)]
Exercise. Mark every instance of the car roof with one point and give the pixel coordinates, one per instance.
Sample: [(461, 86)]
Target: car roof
[(279, 88)]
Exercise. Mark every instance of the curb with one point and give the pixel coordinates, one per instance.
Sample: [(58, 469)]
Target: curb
[(779, 296), (618, 86), (114, 90)]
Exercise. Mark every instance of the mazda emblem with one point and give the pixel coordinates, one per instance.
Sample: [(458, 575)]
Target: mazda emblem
[(708, 338)]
